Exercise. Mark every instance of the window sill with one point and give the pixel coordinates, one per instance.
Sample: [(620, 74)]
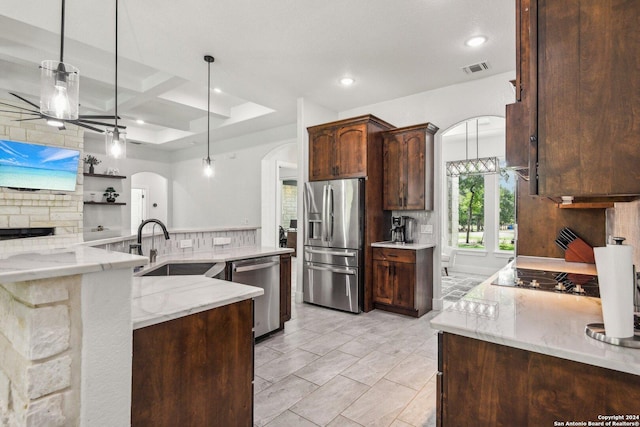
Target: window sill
[(473, 252)]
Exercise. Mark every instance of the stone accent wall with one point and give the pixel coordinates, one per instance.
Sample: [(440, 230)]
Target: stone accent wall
[(36, 353), (43, 208)]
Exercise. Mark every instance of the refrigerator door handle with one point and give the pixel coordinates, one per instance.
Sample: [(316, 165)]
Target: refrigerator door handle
[(321, 252), (330, 210), (325, 213), (333, 270)]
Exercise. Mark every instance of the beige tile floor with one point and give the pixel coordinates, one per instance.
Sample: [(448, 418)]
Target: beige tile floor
[(330, 368)]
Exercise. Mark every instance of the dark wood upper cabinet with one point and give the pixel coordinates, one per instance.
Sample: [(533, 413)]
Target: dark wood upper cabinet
[(340, 149), (577, 69), (408, 168)]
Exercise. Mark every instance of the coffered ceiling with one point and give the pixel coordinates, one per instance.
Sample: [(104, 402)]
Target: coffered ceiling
[(268, 54)]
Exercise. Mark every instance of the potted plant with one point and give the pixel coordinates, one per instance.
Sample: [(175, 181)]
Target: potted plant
[(91, 161), (110, 194)]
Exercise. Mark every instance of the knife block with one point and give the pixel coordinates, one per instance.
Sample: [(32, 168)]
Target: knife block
[(579, 251)]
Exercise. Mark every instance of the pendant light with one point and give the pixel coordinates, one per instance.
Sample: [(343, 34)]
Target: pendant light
[(59, 86), (207, 163), (477, 166), (116, 139)]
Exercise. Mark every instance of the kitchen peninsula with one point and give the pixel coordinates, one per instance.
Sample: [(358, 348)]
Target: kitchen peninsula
[(526, 360)]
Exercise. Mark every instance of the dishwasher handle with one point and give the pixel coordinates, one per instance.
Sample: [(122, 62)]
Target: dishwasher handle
[(331, 269), (254, 267)]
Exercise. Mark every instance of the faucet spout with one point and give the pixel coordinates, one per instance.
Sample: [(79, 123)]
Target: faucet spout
[(141, 226)]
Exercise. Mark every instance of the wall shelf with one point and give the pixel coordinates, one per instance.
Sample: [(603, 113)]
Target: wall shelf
[(105, 203), (102, 175)]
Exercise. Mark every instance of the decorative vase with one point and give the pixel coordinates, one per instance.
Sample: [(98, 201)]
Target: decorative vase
[(111, 199), (91, 170)]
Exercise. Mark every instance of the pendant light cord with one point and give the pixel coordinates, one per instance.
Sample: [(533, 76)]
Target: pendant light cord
[(116, 97), (208, 109), (62, 35)]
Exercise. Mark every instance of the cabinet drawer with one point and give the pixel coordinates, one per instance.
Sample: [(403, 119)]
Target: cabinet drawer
[(396, 255)]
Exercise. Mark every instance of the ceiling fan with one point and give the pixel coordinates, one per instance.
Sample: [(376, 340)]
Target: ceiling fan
[(59, 96), (83, 120)]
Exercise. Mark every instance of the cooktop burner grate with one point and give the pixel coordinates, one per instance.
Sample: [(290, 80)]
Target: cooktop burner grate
[(550, 281)]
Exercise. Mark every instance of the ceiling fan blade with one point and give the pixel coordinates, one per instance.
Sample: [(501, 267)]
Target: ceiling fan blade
[(92, 122), (18, 112), (21, 108), (97, 116), (77, 123), (25, 120), (25, 100)]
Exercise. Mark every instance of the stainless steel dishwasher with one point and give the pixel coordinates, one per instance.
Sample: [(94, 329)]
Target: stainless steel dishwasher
[(263, 273)]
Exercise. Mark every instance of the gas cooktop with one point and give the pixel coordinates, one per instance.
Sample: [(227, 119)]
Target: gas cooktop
[(551, 281)]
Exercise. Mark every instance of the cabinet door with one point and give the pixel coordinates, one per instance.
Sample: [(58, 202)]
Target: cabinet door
[(588, 98), (383, 282), (404, 284), (321, 158), (414, 178), (393, 167), (351, 151)]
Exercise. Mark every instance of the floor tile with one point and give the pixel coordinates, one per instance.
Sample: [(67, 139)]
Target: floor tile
[(284, 365), (289, 419), (321, 370), (398, 423), (260, 384), (341, 421), (325, 343), (328, 401), (279, 397), (429, 348), (360, 346), (371, 368), (401, 345), (380, 405), (287, 342), (264, 354), (413, 372), (421, 411)]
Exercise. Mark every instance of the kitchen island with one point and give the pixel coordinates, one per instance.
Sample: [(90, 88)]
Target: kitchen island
[(526, 360)]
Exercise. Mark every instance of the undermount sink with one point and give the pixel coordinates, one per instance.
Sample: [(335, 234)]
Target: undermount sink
[(209, 269)]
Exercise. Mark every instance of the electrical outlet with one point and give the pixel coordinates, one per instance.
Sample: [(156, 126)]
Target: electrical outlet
[(217, 241), (186, 243), (426, 229)]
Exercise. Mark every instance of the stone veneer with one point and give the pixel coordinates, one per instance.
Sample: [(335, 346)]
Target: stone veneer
[(43, 208), (37, 352)]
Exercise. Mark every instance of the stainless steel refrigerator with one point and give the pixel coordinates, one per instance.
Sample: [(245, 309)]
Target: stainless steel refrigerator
[(333, 244)]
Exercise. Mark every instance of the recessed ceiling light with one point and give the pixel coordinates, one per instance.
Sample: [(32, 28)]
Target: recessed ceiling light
[(217, 90), (476, 41), (55, 123), (347, 81), (140, 121)]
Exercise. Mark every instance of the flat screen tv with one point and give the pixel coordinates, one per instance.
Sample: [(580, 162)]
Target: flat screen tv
[(37, 167)]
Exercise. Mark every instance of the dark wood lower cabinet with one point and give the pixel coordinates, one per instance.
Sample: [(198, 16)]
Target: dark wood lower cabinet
[(196, 370), (487, 384)]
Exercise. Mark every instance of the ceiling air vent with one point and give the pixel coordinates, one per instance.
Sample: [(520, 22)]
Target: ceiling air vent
[(476, 68)]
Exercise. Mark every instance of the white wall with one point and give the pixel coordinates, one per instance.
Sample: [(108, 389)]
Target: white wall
[(232, 197), (444, 107), (157, 194), (139, 159), (286, 154)]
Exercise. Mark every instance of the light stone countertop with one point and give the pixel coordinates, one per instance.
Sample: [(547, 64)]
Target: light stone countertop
[(157, 299), (42, 264), (409, 246), (219, 255), (543, 322)]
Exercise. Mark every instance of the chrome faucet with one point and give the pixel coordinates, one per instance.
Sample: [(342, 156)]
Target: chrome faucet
[(153, 252)]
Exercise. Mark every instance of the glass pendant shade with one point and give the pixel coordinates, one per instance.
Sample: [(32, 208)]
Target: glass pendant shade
[(59, 89), (116, 143), (207, 165)]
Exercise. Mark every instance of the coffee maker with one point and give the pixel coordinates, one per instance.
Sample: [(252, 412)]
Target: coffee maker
[(402, 229), (397, 229)]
